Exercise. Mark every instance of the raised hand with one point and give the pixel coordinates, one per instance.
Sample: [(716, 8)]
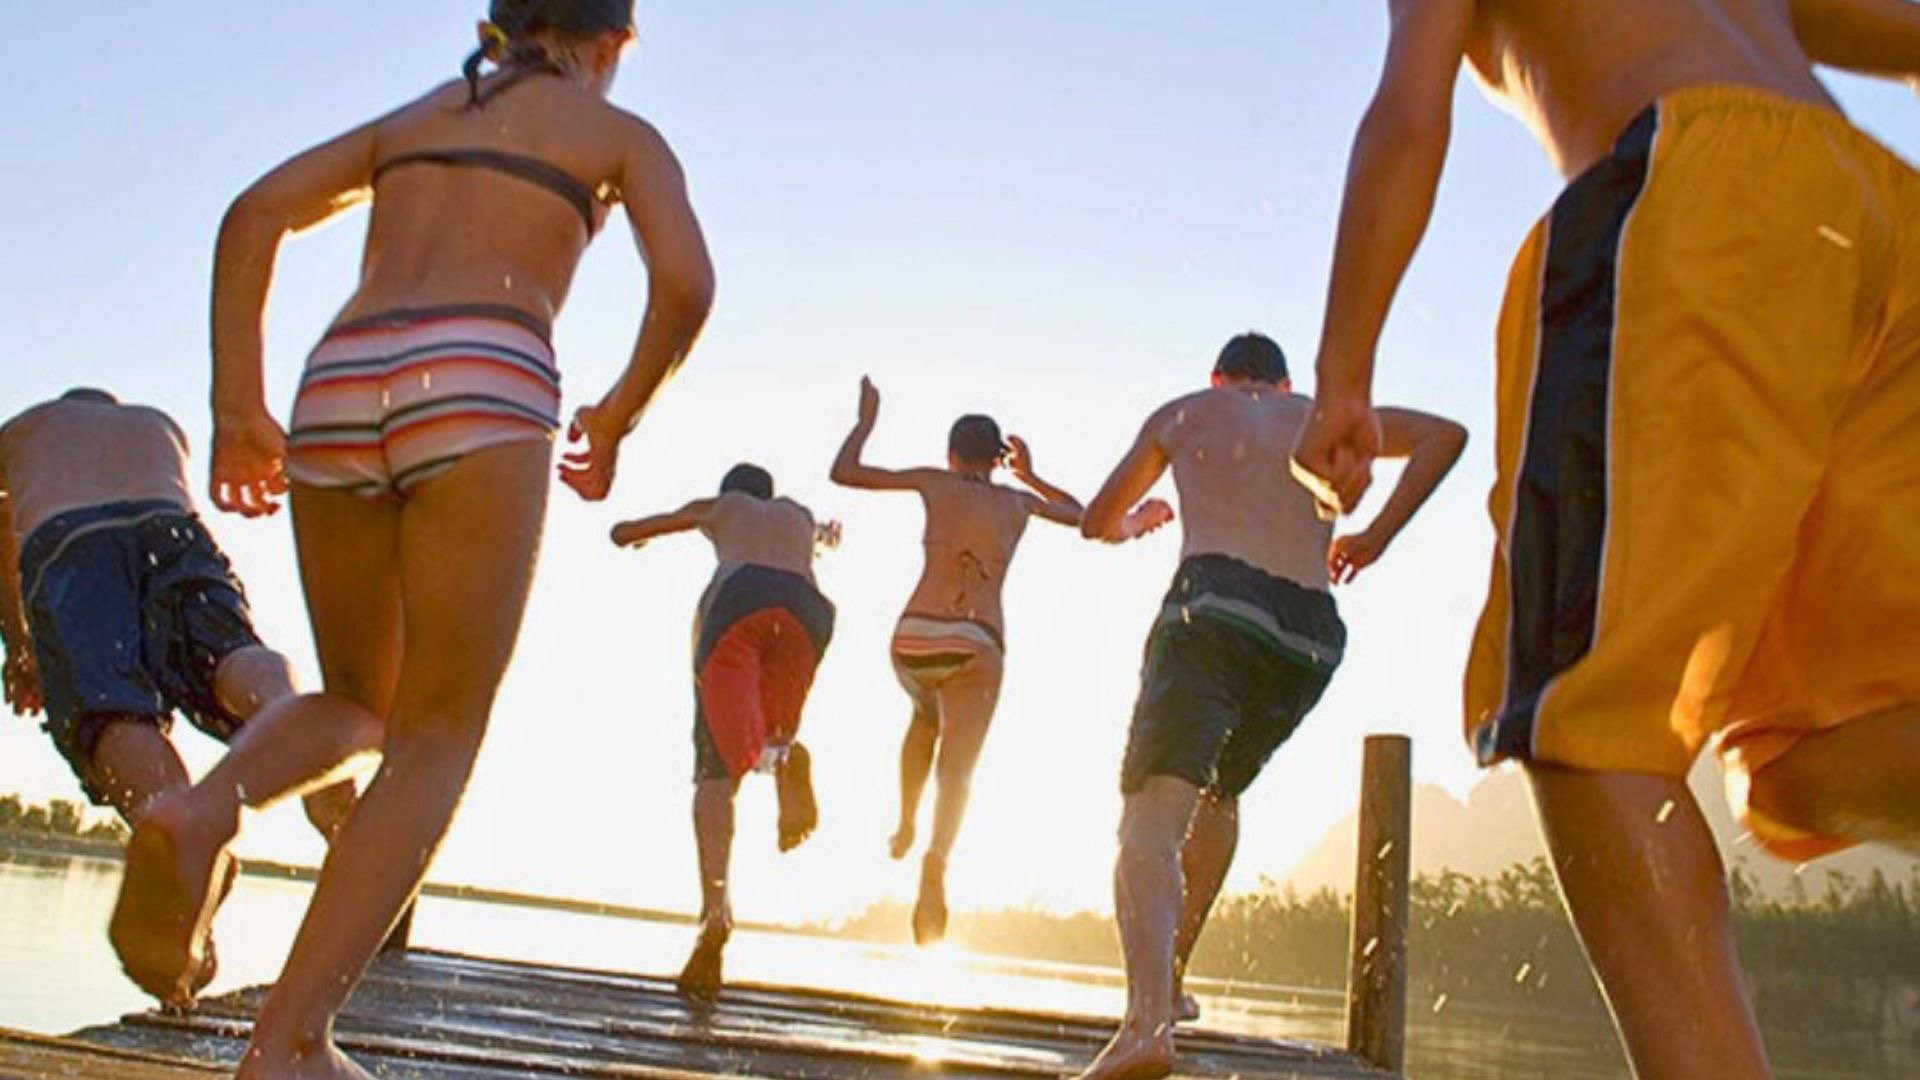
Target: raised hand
[(249, 464), (1019, 457), (1350, 554), (869, 402), (589, 470), (826, 534), (1333, 457)]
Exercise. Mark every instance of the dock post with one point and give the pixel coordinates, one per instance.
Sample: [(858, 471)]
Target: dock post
[(1377, 977)]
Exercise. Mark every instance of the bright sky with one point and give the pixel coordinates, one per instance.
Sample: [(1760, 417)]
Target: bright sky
[(1055, 213)]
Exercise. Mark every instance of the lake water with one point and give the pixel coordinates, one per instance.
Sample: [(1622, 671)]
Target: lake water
[(58, 974)]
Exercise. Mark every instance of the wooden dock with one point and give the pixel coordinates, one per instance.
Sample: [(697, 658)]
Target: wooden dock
[(450, 1017)]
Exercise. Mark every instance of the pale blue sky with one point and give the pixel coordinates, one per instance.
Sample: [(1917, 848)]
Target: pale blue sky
[(1052, 212)]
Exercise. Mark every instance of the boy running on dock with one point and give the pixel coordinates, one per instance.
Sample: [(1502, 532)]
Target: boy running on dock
[(1244, 645), (948, 648), (118, 610), (1708, 385), (759, 634)]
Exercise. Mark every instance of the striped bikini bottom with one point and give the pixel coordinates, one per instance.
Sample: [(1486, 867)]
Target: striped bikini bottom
[(391, 400), (929, 650)]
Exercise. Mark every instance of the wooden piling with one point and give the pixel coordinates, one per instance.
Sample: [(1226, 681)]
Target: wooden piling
[(1377, 975)]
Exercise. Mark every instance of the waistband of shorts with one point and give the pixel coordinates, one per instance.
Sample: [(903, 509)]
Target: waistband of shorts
[(1677, 107), (52, 537), (930, 622), (414, 318), (1288, 615)]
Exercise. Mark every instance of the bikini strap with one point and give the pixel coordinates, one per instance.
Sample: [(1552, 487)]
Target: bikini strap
[(530, 169)]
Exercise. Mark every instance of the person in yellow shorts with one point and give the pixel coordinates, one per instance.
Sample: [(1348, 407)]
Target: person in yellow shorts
[(1708, 485)]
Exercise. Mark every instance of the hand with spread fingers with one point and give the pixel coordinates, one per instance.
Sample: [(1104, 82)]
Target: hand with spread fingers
[(589, 470), (1149, 516), (1350, 554), (249, 464), (1333, 457), (22, 679)]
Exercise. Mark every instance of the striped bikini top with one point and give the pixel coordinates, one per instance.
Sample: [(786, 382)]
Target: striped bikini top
[(531, 169)]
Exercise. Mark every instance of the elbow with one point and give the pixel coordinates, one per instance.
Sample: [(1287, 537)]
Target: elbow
[(688, 296), (1452, 438), (252, 213), (1406, 127), (1098, 523)]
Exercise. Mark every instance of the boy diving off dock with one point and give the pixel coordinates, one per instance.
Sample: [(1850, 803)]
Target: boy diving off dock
[(1245, 643), (948, 648), (759, 633), (118, 610)]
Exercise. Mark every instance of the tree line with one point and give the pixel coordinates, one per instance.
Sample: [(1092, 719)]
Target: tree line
[(59, 818), (1839, 953)]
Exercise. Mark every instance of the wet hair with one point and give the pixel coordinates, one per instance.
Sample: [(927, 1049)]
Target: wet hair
[(509, 36), (1252, 356), (748, 480), (91, 394), (975, 439)]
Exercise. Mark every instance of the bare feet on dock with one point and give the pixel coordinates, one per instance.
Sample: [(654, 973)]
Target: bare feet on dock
[(1134, 1055), (793, 785), (701, 977), (901, 841), (324, 1062), (1186, 1008), (174, 881), (930, 913)]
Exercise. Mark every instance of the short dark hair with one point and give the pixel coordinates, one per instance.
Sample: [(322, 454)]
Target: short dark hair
[(518, 21), (975, 439), (748, 480), (1252, 356), (90, 393)]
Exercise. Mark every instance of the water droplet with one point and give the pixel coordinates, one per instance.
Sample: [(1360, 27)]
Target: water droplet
[(1521, 975), (1439, 1003), (1385, 850), (1666, 811), (1836, 237), (1372, 944)]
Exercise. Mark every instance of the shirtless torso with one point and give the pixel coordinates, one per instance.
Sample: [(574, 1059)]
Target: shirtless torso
[(65, 455), (1576, 71), (775, 533), (1228, 451)]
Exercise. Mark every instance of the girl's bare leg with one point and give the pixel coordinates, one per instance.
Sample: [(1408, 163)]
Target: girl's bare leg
[(967, 701), (467, 542), (916, 765)]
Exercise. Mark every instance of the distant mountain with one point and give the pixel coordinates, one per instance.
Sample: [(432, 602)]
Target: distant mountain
[(1495, 828)]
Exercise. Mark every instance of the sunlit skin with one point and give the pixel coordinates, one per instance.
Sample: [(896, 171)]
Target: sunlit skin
[(1227, 447), (973, 528), (416, 602), (780, 534), (1576, 71)]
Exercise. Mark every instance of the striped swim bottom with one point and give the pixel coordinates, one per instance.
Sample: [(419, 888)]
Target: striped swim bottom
[(391, 400)]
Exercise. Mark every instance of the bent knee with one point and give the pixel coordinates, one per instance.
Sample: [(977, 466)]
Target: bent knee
[(250, 677), (1790, 796)]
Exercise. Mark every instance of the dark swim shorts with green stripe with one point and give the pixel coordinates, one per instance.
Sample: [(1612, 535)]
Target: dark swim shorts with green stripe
[(1235, 661)]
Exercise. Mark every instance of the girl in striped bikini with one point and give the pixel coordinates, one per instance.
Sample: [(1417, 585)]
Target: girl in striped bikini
[(948, 647), (418, 461)]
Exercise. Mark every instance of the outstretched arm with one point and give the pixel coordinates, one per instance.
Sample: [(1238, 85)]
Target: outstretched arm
[(849, 471), (1391, 180), (680, 289), (640, 530), (249, 447), (1431, 445), (1872, 37), (22, 675), (1113, 515), (1052, 503)]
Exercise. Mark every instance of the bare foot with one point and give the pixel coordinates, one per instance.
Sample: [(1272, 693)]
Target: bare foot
[(902, 841), (799, 811), (930, 913), (210, 967), (1134, 1055), (173, 883), (326, 1062), (701, 977), (1186, 1008)]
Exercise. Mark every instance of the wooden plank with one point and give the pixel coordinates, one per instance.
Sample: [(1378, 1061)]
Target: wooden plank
[(441, 1015), (25, 1056)]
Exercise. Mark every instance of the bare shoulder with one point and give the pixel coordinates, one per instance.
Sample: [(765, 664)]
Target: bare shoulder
[(1184, 413), (794, 506)]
